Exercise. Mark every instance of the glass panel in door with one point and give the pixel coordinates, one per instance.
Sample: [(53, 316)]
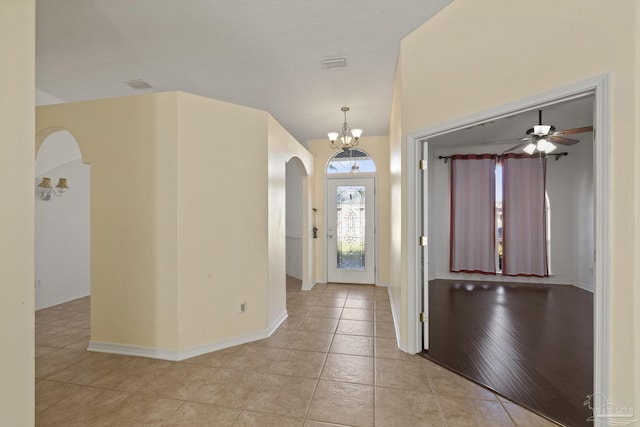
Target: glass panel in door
[(350, 227), (350, 230)]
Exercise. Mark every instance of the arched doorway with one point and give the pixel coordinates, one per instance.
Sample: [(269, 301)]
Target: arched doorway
[(298, 219), (294, 229), (62, 223)]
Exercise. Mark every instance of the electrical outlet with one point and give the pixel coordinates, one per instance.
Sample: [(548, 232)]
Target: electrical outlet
[(243, 307), (38, 283)]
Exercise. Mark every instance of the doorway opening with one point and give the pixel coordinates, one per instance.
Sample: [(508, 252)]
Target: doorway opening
[(297, 255), (420, 274), (294, 218), (62, 224)]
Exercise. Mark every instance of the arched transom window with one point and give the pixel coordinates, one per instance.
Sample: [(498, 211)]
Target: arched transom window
[(353, 160)]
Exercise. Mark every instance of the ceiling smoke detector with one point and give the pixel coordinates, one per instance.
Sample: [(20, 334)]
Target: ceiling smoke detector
[(334, 63), (138, 84)]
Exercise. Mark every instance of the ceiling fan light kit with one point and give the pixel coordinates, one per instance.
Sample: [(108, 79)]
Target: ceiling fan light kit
[(541, 146), (543, 138), (540, 130)]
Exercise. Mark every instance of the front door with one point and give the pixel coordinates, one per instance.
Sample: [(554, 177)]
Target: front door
[(351, 230)]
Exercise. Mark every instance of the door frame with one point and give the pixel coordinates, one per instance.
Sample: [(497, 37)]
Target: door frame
[(423, 222), (600, 87), (346, 177)]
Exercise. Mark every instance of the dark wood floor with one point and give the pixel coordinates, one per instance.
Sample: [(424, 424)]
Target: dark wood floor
[(532, 344)]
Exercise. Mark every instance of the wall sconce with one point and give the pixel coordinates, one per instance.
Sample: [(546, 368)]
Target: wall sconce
[(46, 191)]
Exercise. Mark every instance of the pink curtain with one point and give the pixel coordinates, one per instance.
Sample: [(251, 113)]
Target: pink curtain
[(473, 210), (524, 218)]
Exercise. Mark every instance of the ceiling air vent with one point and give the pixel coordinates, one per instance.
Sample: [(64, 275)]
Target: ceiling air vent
[(334, 63), (138, 84)]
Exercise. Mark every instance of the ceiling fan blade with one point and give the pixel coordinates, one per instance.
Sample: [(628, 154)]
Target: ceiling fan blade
[(562, 140), (501, 141), (574, 130), (514, 148)]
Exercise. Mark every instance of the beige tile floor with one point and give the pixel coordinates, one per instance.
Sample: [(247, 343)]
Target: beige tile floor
[(333, 362)]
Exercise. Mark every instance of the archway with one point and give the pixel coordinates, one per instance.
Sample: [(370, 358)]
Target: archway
[(299, 220), (62, 223), (294, 230)]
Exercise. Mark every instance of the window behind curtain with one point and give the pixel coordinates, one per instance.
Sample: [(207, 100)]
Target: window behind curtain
[(524, 216), (473, 208)]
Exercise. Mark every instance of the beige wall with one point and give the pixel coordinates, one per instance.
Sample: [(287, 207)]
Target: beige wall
[(222, 195), (474, 56), (231, 229), (181, 204), (378, 149), (397, 250), (130, 143), (283, 147), (17, 95)]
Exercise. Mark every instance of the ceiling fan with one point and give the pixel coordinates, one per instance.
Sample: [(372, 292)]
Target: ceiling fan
[(542, 138)]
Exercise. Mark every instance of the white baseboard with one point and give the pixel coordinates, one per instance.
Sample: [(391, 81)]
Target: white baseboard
[(396, 322), (133, 350), (294, 275), (276, 323), (307, 286), (175, 355), (50, 302), (584, 287), (551, 280)]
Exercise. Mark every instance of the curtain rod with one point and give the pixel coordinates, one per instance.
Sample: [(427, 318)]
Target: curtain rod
[(557, 156)]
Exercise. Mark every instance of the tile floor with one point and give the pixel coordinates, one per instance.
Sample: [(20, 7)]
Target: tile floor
[(333, 362)]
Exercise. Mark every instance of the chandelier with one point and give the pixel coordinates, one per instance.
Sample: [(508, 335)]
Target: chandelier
[(349, 138)]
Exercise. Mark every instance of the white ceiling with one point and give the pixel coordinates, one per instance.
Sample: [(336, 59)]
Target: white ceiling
[(259, 53), (564, 115)]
